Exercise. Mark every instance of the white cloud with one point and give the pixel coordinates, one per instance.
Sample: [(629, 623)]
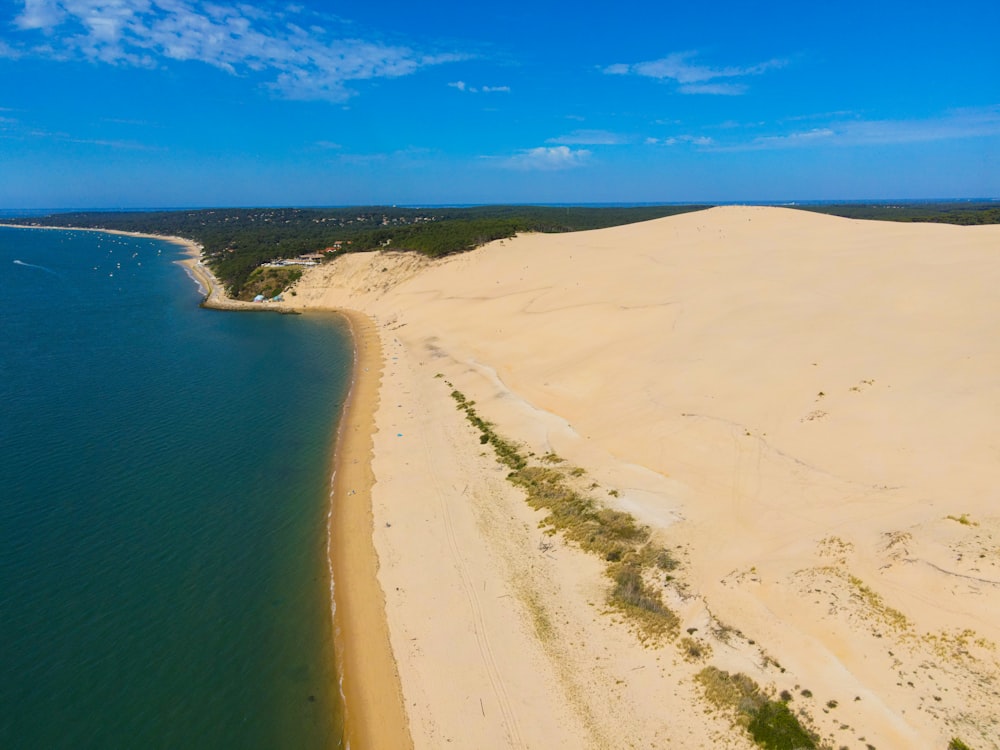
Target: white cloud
[(40, 14), (548, 158), (496, 89), (302, 59), (694, 78), (590, 138), (460, 85)]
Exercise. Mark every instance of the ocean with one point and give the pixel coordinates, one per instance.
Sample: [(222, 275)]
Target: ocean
[(164, 490)]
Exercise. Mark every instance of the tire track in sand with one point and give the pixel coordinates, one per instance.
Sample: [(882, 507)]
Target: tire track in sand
[(500, 692)]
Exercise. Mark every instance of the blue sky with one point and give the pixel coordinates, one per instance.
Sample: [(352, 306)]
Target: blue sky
[(139, 103)]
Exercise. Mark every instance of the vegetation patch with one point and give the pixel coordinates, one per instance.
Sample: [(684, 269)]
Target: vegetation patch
[(695, 650), (889, 615), (963, 519), (770, 722), (269, 282), (507, 453), (632, 559)]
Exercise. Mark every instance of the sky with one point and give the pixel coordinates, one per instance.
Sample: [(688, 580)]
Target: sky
[(185, 103)]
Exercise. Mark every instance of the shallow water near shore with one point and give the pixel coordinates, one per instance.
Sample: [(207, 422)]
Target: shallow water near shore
[(163, 505)]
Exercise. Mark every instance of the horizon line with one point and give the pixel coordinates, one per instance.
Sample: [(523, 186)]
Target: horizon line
[(41, 211)]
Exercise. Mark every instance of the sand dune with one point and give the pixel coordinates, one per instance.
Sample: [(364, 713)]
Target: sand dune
[(804, 407)]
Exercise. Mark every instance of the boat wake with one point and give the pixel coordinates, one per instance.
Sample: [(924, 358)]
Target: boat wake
[(32, 265)]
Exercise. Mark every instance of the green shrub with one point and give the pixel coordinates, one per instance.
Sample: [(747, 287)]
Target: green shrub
[(771, 723), (774, 727)]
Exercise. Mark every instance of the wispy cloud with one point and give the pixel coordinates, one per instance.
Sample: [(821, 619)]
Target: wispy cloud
[(673, 140), (590, 138), (547, 158), (8, 52), (798, 138), (954, 125), (22, 131), (463, 86), (957, 124), (410, 157), (129, 122), (362, 159), (296, 50), (115, 145), (692, 77), (819, 116), (716, 89)]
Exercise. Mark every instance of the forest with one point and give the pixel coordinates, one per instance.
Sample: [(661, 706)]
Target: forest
[(945, 212), (238, 240)]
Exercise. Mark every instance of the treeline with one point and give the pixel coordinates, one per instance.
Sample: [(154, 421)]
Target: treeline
[(950, 212), (440, 237)]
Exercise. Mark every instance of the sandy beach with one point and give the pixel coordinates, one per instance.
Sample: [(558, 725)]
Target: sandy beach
[(374, 713), (801, 407)]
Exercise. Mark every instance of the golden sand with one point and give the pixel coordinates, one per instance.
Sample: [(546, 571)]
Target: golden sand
[(802, 407)]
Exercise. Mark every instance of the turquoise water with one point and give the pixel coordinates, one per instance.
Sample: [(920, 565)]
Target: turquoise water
[(163, 506)]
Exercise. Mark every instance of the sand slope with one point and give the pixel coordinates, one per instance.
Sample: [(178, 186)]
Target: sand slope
[(804, 406)]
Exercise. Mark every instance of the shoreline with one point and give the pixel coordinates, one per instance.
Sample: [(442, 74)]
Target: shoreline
[(374, 711), (374, 714)]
